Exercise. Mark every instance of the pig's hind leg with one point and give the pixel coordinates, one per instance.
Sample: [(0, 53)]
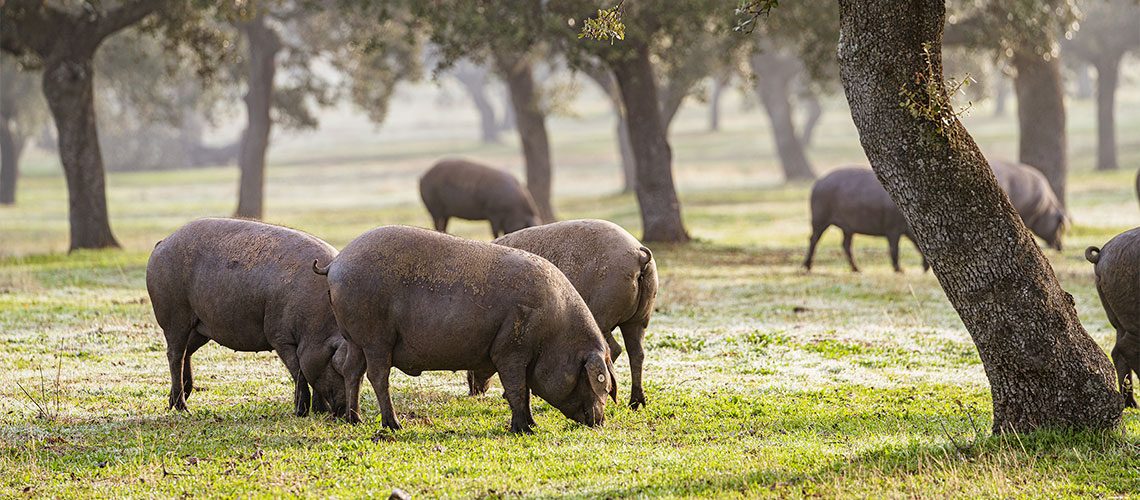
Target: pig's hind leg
[(379, 369), (177, 328), (893, 243), (1126, 359), (195, 342)]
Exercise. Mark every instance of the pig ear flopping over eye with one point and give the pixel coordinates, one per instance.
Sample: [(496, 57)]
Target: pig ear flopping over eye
[(600, 374)]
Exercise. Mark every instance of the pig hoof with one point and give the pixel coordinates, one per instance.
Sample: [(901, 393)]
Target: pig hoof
[(393, 424), (527, 428), (177, 403), (1131, 403)]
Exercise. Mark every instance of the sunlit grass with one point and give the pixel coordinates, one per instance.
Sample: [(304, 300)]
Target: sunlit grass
[(762, 380)]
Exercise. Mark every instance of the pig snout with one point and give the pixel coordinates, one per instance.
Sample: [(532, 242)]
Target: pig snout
[(591, 416)]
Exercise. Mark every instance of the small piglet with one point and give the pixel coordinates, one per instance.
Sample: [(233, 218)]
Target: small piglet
[(247, 286), (1117, 268), (853, 199), (1034, 200), (420, 300), (468, 190), (613, 273)]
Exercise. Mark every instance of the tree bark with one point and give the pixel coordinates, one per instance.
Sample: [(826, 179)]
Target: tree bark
[(1107, 79), (774, 74), (68, 87), (1044, 370), (474, 81), (531, 125), (261, 68), (1041, 117), (11, 146), (656, 194)]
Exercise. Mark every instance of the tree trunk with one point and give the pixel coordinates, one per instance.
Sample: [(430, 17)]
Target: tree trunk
[(774, 74), (1107, 78), (508, 122), (68, 88), (1001, 94), (474, 81), (531, 125), (605, 80), (656, 194), (1044, 370), (11, 146), (1041, 117), (261, 67), (628, 162), (814, 113), (719, 84)]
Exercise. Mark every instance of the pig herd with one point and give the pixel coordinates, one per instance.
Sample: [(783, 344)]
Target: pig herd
[(538, 305)]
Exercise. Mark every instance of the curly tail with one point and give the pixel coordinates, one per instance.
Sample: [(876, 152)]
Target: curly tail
[(323, 271), (645, 258), (1092, 254)]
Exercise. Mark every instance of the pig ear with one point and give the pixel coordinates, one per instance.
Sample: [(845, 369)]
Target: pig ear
[(600, 377), (613, 379)]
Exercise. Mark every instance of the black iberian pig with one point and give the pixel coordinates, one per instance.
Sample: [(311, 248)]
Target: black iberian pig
[(852, 199), (247, 286), (420, 300), (468, 190), (613, 273), (1117, 268), (1034, 200)]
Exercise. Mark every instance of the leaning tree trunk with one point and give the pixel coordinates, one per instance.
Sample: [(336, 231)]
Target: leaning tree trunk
[(11, 146), (774, 75), (474, 82), (68, 88), (1044, 370), (264, 44), (1107, 78), (656, 193), (1041, 116), (530, 121)]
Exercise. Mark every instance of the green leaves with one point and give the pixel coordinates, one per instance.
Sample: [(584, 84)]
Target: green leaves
[(606, 26)]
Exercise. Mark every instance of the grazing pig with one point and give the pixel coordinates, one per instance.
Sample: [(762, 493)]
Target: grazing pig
[(247, 286), (419, 300), (613, 272), (1034, 199), (468, 190), (1117, 268), (853, 199)]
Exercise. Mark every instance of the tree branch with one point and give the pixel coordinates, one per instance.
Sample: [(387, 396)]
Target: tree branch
[(126, 15)]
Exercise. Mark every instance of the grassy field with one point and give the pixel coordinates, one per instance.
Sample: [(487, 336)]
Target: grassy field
[(762, 380)]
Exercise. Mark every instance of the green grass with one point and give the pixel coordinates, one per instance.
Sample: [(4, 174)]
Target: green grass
[(762, 380)]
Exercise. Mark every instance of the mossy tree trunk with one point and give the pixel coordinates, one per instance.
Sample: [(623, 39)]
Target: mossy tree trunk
[(1044, 369)]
